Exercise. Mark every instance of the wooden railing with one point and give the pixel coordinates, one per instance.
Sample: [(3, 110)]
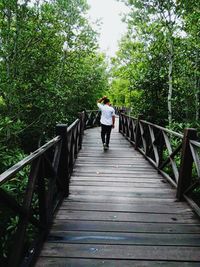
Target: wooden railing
[(47, 171), (174, 155), (49, 168), (92, 118)]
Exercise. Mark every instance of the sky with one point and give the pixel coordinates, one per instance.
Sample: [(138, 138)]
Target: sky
[(112, 27)]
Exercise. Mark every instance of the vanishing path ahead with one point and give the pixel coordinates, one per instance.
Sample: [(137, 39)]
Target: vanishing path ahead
[(120, 212)]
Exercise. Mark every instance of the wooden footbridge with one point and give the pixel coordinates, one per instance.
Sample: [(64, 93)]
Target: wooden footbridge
[(136, 204)]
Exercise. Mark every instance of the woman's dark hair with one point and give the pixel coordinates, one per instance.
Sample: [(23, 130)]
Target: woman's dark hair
[(106, 100)]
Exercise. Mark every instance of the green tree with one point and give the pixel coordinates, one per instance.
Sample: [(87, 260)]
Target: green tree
[(159, 56), (40, 83)]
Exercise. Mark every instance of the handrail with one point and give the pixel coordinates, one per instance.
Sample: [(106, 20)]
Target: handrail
[(7, 175), (162, 128), (49, 168), (176, 156), (197, 144), (92, 118), (47, 172), (70, 128)]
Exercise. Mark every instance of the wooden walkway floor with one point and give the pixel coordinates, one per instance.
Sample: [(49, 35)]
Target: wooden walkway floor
[(120, 212)]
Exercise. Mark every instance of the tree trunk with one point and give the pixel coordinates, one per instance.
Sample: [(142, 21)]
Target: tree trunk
[(7, 43), (15, 50), (196, 89), (196, 105), (7, 55), (170, 88)]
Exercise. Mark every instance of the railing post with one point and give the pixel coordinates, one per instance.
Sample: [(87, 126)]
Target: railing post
[(160, 149), (131, 130), (137, 134), (63, 168), (99, 118), (120, 121), (85, 118), (185, 172), (127, 125), (81, 116)]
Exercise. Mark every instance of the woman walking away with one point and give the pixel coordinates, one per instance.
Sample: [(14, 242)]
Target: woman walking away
[(107, 120)]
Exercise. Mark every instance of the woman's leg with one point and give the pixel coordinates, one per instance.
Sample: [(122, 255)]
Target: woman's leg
[(108, 132), (103, 133)]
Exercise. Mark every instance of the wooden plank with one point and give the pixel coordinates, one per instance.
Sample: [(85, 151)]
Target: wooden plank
[(74, 262), (115, 146), (113, 155), (134, 207), (118, 199), (166, 202), (134, 174), (129, 184), (110, 161), (136, 159), (136, 227), (126, 189), (113, 170), (129, 166), (126, 216), (133, 179), (122, 252), (120, 212), (108, 194), (124, 180), (158, 239), (114, 164)]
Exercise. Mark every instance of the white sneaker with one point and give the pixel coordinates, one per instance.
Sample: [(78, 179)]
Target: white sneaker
[(105, 147)]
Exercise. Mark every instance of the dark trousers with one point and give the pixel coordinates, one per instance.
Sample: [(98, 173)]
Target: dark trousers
[(105, 133)]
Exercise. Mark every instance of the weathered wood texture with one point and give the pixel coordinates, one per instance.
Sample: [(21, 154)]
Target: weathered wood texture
[(48, 171), (174, 155), (120, 212)]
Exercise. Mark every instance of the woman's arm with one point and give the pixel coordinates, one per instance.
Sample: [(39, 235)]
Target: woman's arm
[(101, 99)]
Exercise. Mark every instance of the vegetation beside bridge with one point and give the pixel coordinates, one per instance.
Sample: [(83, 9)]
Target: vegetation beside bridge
[(51, 69)]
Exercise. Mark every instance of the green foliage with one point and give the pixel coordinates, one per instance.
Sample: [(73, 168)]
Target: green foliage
[(160, 33), (118, 92), (41, 83), (16, 188)]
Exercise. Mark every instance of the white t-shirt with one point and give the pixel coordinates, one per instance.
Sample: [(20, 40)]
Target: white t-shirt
[(107, 113)]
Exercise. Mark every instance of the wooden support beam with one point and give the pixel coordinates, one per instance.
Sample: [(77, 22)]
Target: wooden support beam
[(63, 168), (81, 116), (185, 173)]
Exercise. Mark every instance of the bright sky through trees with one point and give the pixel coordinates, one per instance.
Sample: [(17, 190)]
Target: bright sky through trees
[(112, 28)]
